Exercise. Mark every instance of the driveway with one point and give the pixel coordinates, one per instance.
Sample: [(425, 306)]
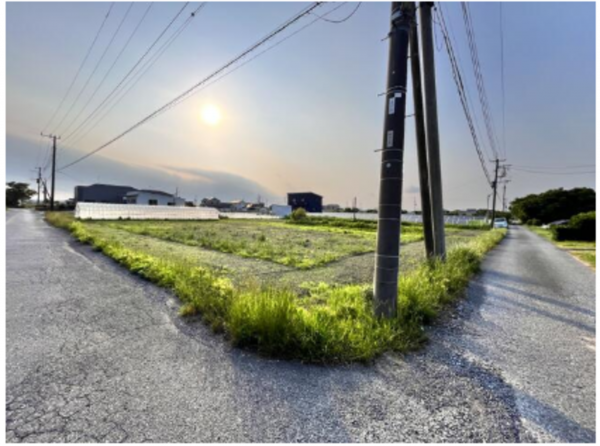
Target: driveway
[(96, 354)]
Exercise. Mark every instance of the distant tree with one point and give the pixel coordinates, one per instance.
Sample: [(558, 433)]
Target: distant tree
[(17, 193), (554, 204), (299, 214)]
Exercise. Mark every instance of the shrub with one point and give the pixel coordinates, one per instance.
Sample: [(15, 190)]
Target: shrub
[(299, 214), (533, 222), (581, 227)]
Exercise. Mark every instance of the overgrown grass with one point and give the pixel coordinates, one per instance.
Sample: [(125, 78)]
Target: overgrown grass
[(585, 251), (327, 324)]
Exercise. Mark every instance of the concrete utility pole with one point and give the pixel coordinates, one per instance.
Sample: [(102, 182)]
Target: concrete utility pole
[(39, 184), (54, 138), (433, 137), (390, 186), (504, 207), (415, 63), (495, 185)]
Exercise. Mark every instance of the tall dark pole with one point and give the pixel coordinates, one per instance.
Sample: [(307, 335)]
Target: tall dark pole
[(415, 63), (390, 186), (495, 192), (54, 138), (39, 184), (53, 173), (433, 137)]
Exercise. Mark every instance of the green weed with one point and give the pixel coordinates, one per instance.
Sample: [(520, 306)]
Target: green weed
[(320, 323)]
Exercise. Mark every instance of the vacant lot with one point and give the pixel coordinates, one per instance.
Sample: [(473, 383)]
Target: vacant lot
[(290, 290), (585, 251)]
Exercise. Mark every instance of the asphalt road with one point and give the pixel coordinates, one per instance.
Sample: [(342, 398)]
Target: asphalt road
[(96, 354)]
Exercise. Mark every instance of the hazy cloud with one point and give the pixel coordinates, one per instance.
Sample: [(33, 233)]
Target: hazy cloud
[(21, 153)]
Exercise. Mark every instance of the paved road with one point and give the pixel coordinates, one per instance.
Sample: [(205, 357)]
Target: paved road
[(95, 354)]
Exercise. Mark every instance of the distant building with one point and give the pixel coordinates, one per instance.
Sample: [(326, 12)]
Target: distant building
[(101, 193), (280, 210), (211, 203), (310, 201), (153, 198), (237, 205), (332, 208)]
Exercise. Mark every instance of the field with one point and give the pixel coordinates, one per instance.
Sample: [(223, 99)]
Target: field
[(291, 290), (584, 251)]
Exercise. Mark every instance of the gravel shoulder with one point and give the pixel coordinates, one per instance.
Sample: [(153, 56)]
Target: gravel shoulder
[(96, 354)]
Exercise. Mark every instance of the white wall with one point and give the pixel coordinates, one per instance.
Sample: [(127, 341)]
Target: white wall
[(143, 198), (105, 211)]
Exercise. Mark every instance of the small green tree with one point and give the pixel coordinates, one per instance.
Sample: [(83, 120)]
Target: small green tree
[(299, 214), (17, 193)]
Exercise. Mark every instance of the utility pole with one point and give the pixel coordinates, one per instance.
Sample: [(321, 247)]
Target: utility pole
[(415, 64), (433, 136), (504, 204), (495, 185), (54, 138), (45, 191), (390, 186), (39, 183)]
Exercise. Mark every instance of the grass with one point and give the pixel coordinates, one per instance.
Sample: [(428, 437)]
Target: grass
[(296, 246), (322, 323), (585, 251)]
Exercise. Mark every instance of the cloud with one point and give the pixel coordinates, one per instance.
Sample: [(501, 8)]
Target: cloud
[(21, 155)]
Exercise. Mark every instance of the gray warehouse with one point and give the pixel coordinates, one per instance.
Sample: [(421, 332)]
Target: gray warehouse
[(102, 193)]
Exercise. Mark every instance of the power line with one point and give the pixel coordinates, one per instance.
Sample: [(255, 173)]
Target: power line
[(462, 93), (90, 77), (74, 120), (339, 20), (79, 69), (502, 81), (129, 72), (580, 166), (481, 90), (194, 87), (541, 172), (132, 82)]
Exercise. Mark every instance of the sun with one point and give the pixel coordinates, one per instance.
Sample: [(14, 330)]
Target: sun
[(211, 115)]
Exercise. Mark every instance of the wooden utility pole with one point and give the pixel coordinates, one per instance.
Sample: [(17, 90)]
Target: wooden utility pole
[(433, 141), (390, 186), (495, 185), (54, 138), (415, 63)]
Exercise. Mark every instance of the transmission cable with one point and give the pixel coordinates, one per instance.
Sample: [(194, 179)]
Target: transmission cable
[(74, 120), (462, 93), (131, 70), (194, 87), (132, 82), (322, 17), (481, 90), (78, 70)]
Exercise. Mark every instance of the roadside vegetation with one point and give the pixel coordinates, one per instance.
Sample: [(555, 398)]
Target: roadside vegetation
[(316, 322), (578, 236)]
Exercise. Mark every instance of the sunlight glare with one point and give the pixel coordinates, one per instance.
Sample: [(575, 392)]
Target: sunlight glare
[(211, 115)]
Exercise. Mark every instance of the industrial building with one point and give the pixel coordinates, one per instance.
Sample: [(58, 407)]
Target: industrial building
[(101, 193), (310, 201), (153, 198)]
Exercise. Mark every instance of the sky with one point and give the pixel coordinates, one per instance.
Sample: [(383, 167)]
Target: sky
[(304, 116)]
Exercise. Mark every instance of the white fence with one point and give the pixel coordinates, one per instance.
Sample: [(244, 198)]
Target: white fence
[(106, 211), (412, 218), (249, 216)]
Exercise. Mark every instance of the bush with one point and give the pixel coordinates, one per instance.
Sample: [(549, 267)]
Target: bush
[(581, 227), (299, 214), (533, 222)]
